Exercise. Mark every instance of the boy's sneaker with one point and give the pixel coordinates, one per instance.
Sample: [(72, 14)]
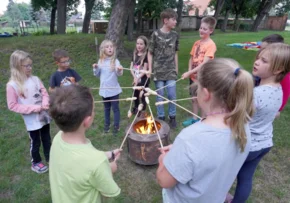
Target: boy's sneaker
[(116, 130), (106, 128), (172, 122), (162, 118), (39, 167)]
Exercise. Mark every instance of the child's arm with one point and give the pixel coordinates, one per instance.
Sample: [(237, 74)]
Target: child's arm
[(45, 97), (96, 70), (13, 105), (119, 68), (190, 63), (150, 62), (114, 156), (196, 69), (164, 178), (176, 62)]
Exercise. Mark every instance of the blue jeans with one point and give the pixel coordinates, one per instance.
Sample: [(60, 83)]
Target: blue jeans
[(171, 95), (245, 175), (115, 108)]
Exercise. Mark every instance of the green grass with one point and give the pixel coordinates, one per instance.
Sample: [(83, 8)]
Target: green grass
[(19, 184)]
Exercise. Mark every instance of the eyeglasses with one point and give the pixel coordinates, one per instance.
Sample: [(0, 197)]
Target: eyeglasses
[(28, 66), (65, 62)]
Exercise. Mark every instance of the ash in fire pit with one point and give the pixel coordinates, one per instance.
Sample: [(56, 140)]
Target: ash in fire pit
[(143, 140)]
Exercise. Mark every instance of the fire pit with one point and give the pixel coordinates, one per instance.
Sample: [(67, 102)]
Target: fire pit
[(143, 142)]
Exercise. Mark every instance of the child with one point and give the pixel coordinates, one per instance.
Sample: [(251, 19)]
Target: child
[(108, 69), (271, 65), (78, 172), (163, 60), (285, 83), (64, 74), (27, 95), (205, 158), (139, 62), (202, 51)]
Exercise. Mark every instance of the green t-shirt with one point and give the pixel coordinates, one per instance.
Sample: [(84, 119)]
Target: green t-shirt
[(79, 173)]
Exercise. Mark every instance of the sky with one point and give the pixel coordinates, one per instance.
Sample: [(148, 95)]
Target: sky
[(4, 3)]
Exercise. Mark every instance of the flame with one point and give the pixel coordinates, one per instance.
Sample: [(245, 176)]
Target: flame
[(148, 128)]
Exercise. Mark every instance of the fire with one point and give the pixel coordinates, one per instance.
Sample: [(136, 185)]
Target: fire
[(147, 127)]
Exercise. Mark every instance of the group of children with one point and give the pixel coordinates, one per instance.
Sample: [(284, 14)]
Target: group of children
[(201, 165)]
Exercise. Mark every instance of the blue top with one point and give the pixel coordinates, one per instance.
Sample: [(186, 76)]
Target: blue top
[(108, 78), (64, 78)]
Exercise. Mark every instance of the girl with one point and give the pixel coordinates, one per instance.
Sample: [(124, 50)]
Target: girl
[(108, 69), (271, 65), (139, 62), (205, 158), (27, 95)]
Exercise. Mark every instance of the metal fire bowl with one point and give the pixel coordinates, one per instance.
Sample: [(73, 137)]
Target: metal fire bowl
[(143, 148)]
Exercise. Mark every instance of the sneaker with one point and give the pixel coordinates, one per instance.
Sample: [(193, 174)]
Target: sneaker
[(172, 122), (116, 130), (106, 128), (39, 167), (162, 118), (189, 122)]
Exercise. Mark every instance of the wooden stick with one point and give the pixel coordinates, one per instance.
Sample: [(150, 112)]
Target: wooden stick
[(169, 84), (126, 99), (140, 107), (177, 105), (165, 102), (133, 87), (147, 101)]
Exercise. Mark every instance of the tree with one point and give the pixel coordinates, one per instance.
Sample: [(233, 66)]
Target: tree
[(61, 16), (282, 7), (179, 13), (117, 23), (264, 8), (218, 8), (89, 4), (130, 24)]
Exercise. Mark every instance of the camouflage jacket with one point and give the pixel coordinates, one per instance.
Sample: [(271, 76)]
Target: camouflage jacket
[(163, 47)]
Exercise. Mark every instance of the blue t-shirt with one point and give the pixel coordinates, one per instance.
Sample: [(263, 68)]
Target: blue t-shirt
[(205, 162), (64, 78)]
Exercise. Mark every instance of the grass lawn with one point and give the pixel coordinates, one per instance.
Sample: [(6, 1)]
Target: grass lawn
[(19, 184)]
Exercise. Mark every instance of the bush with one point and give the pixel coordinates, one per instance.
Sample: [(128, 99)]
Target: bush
[(40, 33)]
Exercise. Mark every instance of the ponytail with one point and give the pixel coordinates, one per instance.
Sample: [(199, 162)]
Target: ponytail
[(232, 88)]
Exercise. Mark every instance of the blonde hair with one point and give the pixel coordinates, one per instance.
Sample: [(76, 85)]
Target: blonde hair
[(279, 59), (143, 56), (233, 90), (17, 73), (103, 56), (211, 21)]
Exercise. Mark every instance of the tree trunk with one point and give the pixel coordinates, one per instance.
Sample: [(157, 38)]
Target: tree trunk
[(138, 30), (61, 16), (131, 20), (179, 14), (218, 7), (264, 8), (87, 17), (225, 22), (117, 22), (52, 21), (236, 22)]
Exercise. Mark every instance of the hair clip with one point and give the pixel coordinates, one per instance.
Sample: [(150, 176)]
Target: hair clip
[(237, 71)]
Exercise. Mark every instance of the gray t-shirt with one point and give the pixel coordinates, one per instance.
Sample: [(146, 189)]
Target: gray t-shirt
[(267, 100), (205, 161)]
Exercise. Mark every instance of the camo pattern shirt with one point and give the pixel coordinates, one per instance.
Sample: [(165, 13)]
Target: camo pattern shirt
[(163, 47)]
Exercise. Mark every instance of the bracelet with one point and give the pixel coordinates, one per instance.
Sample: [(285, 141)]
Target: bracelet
[(112, 156)]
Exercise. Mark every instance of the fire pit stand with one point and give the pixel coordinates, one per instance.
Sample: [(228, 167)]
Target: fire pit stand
[(143, 148)]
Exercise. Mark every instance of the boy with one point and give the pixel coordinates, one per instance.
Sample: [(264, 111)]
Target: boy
[(64, 75), (202, 51), (163, 61), (78, 172)]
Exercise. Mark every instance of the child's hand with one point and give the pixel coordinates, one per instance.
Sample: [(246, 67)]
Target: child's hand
[(185, 75), (95, 65), (119, 68), (135, 82), (148, 74), (165, 149), (45, 107), (117, 153), (37, 109)]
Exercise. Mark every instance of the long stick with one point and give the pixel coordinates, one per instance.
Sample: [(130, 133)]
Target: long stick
[(147, 101), (133, 87), (169, 84), (126, 99), (149, 91), (165, 102), (140, 107)]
